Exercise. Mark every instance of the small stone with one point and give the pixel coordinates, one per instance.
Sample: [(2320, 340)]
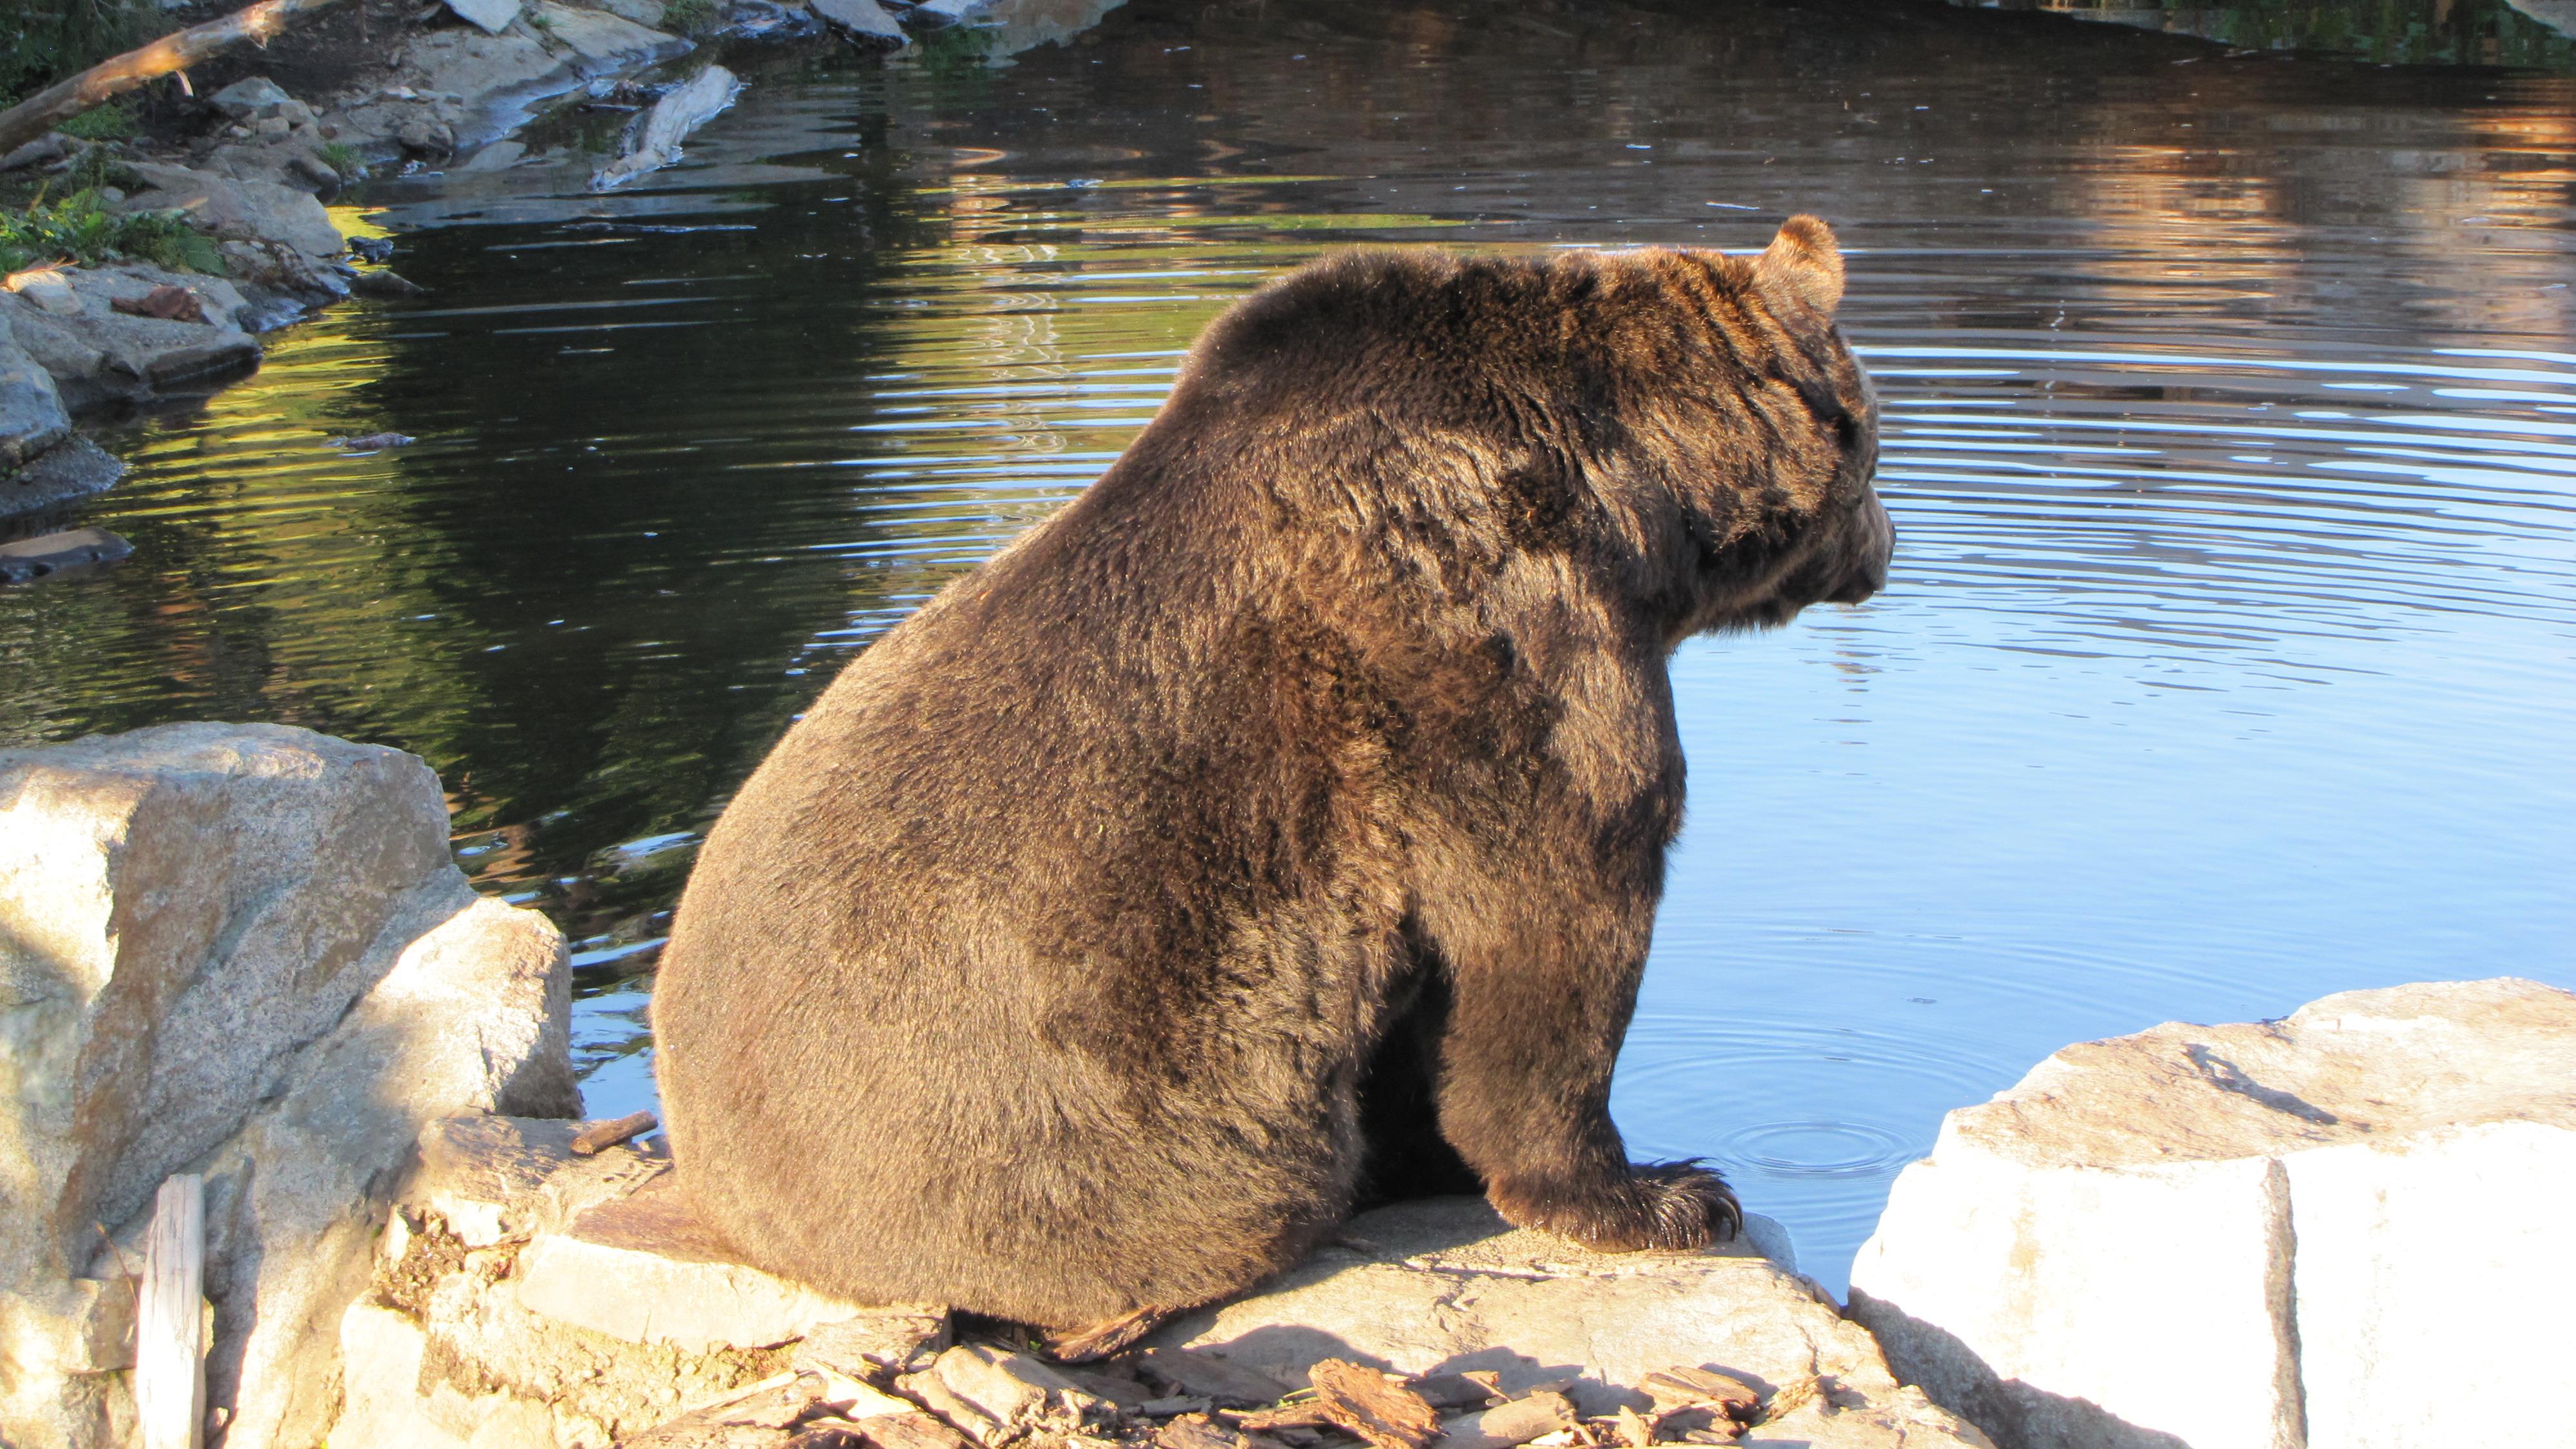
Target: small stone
[(863, 18), (49, 289), (255, 98), (271, 126), (296, 112), (493, 15)]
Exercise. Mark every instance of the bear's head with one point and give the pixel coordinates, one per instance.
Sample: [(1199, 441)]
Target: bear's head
[(1683, 426)]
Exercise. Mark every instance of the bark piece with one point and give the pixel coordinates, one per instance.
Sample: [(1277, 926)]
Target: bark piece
[(1675, 1388), (1506, 1426), (1374, 1406), (1457, 1391)]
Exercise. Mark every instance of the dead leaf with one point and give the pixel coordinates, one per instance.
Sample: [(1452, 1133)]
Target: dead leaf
[(169, 302)]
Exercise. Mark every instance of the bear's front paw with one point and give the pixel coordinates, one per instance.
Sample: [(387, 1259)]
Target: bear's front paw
[(1668, 1205)]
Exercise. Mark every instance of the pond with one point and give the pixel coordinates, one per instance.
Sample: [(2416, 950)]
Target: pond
[(2230, 436)]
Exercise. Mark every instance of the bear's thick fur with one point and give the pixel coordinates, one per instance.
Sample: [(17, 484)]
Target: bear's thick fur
[(1285, 818)]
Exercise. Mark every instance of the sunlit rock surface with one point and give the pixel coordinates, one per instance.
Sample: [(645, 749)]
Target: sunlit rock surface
[(238, 950), (1446, 1285), (2310, 1231)]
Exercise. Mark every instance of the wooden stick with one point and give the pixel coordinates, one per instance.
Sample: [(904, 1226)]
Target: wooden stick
[(601, 1136), (257, 24), (169, 1323)]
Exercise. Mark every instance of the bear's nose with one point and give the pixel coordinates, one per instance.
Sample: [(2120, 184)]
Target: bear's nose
[(1873, 545)]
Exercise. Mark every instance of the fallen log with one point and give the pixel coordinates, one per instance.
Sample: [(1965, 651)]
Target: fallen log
[(255, 24), (598, 1137)]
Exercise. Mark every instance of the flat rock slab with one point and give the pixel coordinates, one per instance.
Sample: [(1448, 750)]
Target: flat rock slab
[(2330, 1229), (1446, 1286), (643, 1269), (48, 554)]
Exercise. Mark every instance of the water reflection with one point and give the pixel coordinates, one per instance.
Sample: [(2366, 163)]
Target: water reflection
[(2231, 423)]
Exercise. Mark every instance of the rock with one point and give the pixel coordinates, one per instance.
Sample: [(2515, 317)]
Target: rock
[(255, 98), (31, 409), (243, 951), (231, 207), (493, 15), (73, 468), (46, 554), (426, 137), (1445, 1286), (863, 18), (100, 354), (996, 1397), (51, 146), (2558, 15), (656, 142), (485, 84), (2303, 1231), (643, 1270), (491, 1178), (49, 288)]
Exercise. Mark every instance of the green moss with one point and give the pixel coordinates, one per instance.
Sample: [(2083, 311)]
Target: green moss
[(689, 17), (113, 121), (342, 157), (79, 229)]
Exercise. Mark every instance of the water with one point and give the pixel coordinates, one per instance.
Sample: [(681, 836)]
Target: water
[(2231, 433)]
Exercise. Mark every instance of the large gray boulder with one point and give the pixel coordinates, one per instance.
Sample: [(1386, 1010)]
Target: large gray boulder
[(1445, 1286), (2342, 1228), (243, 951), (233, 207)]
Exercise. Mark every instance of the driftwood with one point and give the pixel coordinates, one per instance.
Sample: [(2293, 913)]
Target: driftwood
[(169, 1325), (1375, 1407), (254, 24), (1702, 1388), (598, 1136)]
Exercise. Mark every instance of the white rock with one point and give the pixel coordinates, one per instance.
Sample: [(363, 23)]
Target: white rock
[(239, 950), (2242, 1237), (1446, 1286)]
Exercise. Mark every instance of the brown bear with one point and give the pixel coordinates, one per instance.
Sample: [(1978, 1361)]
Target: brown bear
[(1284, 820)]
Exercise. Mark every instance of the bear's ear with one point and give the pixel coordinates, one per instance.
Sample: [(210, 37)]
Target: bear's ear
[(1803, 259)]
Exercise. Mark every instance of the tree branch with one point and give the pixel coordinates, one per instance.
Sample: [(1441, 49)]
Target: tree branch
[(257, 23)]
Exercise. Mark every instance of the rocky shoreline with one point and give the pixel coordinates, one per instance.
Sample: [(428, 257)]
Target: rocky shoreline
[(446, 92), (238, 959)]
